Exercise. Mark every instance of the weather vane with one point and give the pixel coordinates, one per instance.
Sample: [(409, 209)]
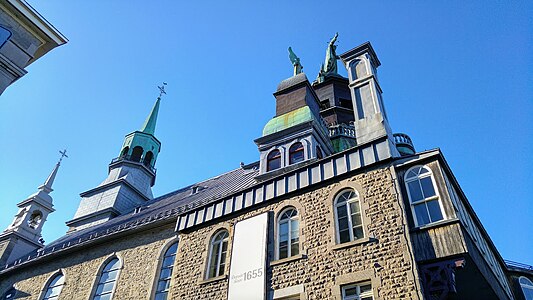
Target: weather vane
[(162, 90), (63, 154)]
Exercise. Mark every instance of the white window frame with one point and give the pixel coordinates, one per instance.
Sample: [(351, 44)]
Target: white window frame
[(424, 200), (49, 286), (295, 218), (161, 267), (349, 213), (219, 254), (359, 294)]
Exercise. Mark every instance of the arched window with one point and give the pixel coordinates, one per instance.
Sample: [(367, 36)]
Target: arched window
[(424, 200), (319, 154), (296, 153), (163, 283), (274, 160), (124, 151), (218, 247), (148, 158), (348, 216), (288, 234), (137, 153), (107, 280), (527, 287), (54, 287)]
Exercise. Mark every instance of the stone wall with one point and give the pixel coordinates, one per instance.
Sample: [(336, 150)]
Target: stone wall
[(139, 254), (382, 257)]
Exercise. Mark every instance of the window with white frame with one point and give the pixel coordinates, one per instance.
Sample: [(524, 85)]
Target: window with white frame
[(288, 239), (360, 291), (218, 248), (107, 280), (527, 287), (165, 273), (348, 219), (54, 287), (425, 203)]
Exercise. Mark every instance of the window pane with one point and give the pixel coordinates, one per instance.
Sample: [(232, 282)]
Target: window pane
[(163, 285), (350, 291), (109, 276), (172, 249), (356, 220), (58, 280), (103, 297), (283, 251), (112, 265), (294, 226), (165, 273), (161, 296), (344, 236), (414, 190), (427, 187), (343, 223), (295, 248), (341, 211), (283, 228), (168, 261), (421, 214), (366, 288), (434, 210), (53, 291), (297, 157), (358, 232), (354, 207), (105, 288)]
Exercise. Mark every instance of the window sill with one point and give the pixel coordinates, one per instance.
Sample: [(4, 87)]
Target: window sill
[(435, 224), (361, 241), (288, 259), (214, 279)]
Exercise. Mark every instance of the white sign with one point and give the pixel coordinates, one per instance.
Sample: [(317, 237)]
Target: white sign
[(248, 258)]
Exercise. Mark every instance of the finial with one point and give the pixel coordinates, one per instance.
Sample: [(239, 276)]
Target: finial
[(295, 62), (162, 90)]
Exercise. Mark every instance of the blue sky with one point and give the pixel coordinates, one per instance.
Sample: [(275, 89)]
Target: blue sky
[(455, 75)]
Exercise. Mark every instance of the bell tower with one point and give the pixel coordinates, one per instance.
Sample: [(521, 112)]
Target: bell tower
[(24, 234), (130, 178)]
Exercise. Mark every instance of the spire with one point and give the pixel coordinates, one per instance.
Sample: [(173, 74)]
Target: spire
[(149, 124), (47, 185)]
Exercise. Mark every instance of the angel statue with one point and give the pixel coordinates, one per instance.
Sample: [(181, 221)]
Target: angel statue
[(329, 67), (295, 62)]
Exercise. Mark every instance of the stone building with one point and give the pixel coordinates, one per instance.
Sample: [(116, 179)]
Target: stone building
[(337, 207), (25, 36)]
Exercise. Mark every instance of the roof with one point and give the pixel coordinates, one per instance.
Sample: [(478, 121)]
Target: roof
[(292, 118), (168, 206)]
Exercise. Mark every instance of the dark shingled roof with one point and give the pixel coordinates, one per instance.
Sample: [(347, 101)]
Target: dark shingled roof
[(161, 208)]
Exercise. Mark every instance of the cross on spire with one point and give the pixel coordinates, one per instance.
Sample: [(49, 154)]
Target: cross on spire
[(63, 154), (162, 90)]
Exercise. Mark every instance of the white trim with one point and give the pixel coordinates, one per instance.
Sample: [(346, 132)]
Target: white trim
[(424, 200), (295, 218), (349, 214)]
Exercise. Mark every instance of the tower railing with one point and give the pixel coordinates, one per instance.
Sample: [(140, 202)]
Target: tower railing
[(515, 264), (342, 130), (128, 158)]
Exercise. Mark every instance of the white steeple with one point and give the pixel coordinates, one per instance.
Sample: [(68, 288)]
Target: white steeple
[(25, 230)]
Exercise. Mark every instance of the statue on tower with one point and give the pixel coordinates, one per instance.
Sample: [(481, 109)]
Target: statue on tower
[(295, 62), (329, 67)]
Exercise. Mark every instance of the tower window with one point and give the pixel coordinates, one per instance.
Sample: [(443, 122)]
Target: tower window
[(137, 153), (218, 248), (425, 203), (348, 216), (362, 291), (35, 219), (319, 154), (148, 158), (288, 242), (274, 160), (346, 103), (125, 151), (296, 153)]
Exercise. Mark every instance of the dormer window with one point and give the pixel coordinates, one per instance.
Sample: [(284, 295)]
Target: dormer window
[(296, 153), (273, 160)]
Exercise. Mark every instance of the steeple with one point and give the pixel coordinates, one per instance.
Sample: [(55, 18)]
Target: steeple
[(24, 233), (130, 178), (149, 124)]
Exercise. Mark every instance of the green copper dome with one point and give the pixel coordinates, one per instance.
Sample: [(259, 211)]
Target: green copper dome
[(292, 118)]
